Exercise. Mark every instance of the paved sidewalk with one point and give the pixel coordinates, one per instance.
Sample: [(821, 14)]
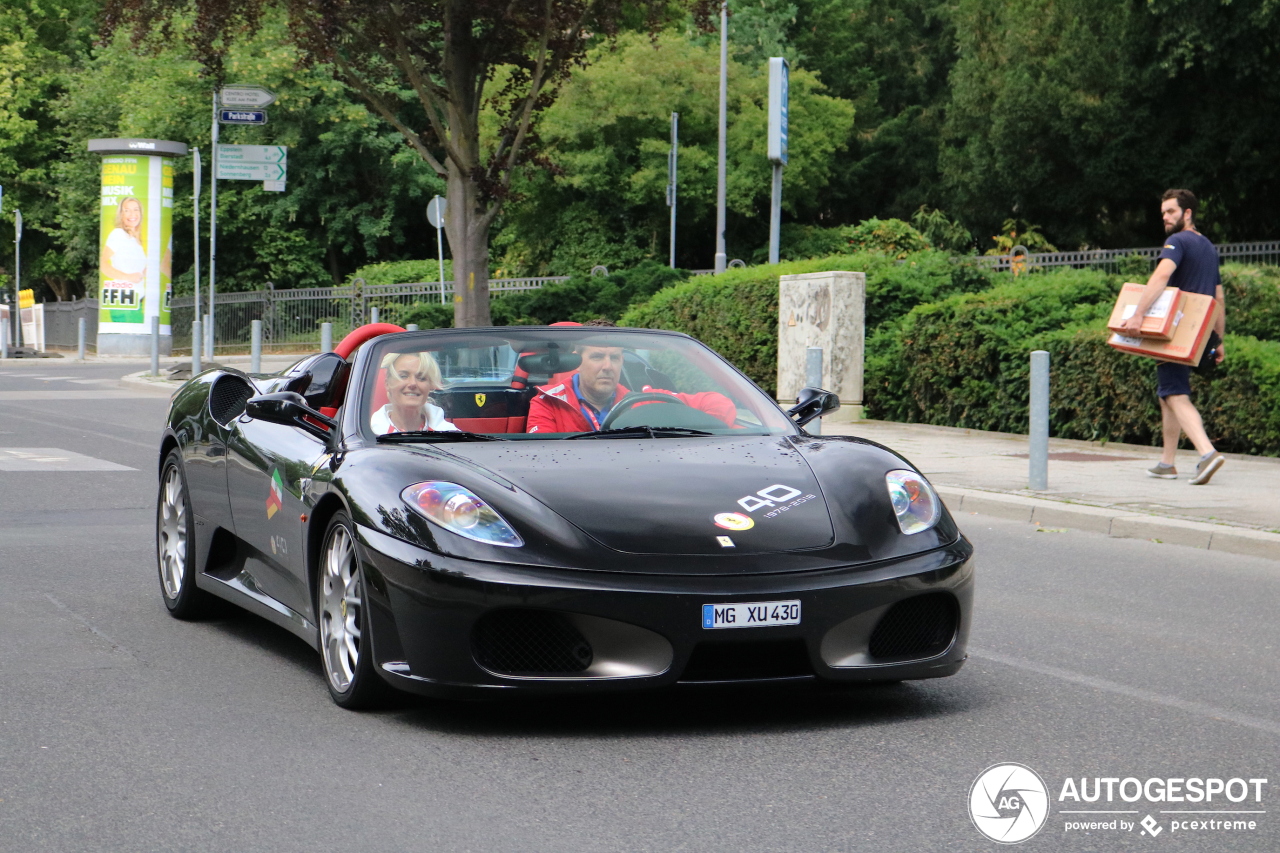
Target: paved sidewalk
[(1094, 486)]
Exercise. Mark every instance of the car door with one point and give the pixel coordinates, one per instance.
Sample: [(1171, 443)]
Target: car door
[(268, 467)]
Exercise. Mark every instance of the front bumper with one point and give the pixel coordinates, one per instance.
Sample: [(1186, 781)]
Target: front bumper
[(431, 618)]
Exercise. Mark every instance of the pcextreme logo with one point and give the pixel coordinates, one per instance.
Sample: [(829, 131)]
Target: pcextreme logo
[(1009, 803)]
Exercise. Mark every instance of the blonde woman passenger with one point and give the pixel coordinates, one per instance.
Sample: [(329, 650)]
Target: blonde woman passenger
[(123, 257), (410, 377)]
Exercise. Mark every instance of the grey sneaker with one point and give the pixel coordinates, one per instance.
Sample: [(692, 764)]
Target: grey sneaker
[(1163, 472), (1207, 468)]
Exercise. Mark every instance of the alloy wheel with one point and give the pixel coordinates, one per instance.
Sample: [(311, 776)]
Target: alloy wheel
[(340, 603), (172, 533)]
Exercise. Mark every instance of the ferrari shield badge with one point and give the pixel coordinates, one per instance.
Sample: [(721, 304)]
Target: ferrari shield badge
[(275, 495), (480, 398)]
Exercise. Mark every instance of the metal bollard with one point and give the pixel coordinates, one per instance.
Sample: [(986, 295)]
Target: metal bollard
[(195, 345), (326, 337), (1038, 475), (155, 346), (813, 379), (412, 327), (4, 340), (80, 336), (373, 314), (208, 337), (255, 346)]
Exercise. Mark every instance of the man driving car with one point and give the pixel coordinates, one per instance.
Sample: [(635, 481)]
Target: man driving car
[(582, 400)]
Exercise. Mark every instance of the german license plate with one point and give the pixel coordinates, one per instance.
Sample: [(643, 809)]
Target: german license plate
[(751, 614)]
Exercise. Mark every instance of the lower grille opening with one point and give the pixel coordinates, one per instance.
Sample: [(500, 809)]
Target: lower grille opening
[(530, 642), (743, 661), (918, 627)]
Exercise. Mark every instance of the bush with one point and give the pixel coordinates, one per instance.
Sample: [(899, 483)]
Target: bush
[(581, 298), (736, 312), (964, 362), (1253, 300), (402, 272), (892, 237)]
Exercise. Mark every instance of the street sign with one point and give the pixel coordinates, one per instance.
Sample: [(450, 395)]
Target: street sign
[(242, 116), (246, 96), (234, 171), (197, 170), (436, 210), (252, 153), (779, 79), (273, 186)]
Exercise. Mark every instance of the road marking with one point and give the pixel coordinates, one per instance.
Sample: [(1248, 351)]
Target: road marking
[(85, 622), (53, 459), (79, 430), (50, 378), (72, 394), (94, 381), (1191, 707)]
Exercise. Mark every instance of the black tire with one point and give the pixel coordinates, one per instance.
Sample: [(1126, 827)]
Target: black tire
[(346, 649), (174, 545)]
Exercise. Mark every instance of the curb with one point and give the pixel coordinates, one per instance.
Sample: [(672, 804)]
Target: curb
[(158, 383), (1115, 523)]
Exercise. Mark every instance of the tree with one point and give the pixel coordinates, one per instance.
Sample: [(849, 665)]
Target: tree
[(607, 138), (426, 68)]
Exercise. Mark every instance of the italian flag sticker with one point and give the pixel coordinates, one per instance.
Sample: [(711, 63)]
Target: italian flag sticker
[(275, 500)]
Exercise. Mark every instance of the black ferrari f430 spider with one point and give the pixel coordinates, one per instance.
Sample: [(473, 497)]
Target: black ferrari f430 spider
[(478, 511)]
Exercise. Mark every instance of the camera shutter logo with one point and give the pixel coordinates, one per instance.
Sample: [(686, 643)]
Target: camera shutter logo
[(1008, 803)]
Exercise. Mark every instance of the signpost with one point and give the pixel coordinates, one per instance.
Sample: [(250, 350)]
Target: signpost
[(17, 278), (196, 331), (238, 105), (671, 181), (778, 96), (435, 215)]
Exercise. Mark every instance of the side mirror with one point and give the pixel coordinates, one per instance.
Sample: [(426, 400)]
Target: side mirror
[(811, 403), (288, 408)]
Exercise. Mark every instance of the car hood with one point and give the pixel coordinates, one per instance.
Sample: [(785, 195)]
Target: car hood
[(713, 495)]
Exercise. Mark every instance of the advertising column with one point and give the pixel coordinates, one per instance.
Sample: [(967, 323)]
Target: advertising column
[(135, 243)]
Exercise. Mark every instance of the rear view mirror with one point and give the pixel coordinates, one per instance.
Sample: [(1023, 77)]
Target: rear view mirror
[(813, 403), (289, 408)]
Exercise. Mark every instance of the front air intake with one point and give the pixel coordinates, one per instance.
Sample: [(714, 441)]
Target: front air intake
[(227, 398), (530, 643), (919, 627)]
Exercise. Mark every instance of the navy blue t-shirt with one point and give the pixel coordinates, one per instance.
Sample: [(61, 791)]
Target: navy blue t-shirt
[(1197, 261)]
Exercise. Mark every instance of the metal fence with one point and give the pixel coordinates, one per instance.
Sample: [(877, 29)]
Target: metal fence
[(1108, 259), (291, 318), (62, 326)]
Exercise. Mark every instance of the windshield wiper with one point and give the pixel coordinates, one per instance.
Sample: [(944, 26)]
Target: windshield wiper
[(423, 436), (640, 432)]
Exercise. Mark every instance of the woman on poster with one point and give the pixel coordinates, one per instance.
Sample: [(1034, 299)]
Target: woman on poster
[(123, 257)]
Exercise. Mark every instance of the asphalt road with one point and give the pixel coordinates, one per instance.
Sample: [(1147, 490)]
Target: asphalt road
[(122, 729)]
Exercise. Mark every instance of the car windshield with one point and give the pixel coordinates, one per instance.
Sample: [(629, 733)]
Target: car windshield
[(558, 383)]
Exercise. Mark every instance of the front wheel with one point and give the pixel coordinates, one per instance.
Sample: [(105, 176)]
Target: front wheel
[(174, 546), (344, 622)]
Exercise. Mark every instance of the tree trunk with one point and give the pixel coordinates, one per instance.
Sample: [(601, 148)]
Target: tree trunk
[(467, 226)]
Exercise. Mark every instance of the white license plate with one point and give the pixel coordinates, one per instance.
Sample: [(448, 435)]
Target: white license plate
[(751, 614)]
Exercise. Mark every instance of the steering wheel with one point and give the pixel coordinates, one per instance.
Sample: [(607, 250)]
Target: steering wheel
[(635, 398)]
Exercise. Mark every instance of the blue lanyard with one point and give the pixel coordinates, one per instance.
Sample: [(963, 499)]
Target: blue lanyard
[(587, 411)]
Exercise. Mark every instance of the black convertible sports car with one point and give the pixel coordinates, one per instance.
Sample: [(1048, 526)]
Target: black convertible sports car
[(473, 511)]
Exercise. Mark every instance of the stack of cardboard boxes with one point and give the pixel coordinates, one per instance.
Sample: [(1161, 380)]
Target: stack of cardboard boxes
[(1175, 329)]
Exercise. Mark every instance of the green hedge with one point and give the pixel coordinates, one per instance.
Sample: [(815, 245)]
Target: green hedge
[(583, 297), (964, 362), (736, 312)]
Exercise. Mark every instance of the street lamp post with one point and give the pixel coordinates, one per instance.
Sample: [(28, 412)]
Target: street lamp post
[(721, 256), (671, 181)]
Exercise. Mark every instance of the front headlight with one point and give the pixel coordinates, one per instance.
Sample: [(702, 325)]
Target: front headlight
[(459, 511), (914, 501)]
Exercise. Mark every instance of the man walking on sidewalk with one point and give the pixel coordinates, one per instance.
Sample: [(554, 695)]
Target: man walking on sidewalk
[(1189, 262)]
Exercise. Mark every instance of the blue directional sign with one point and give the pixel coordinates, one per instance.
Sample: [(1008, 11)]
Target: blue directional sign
[(242, 116), (779, 94)]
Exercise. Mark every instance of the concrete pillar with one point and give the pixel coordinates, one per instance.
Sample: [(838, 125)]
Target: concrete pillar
[(826, 310)]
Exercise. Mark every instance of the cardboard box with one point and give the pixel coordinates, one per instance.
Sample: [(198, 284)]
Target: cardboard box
[(1199, 315), (1160, 320)]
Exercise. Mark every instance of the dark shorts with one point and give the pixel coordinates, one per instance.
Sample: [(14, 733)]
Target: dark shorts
[(1172, 379)]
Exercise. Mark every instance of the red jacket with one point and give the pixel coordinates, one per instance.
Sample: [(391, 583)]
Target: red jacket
[(557, 409)]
